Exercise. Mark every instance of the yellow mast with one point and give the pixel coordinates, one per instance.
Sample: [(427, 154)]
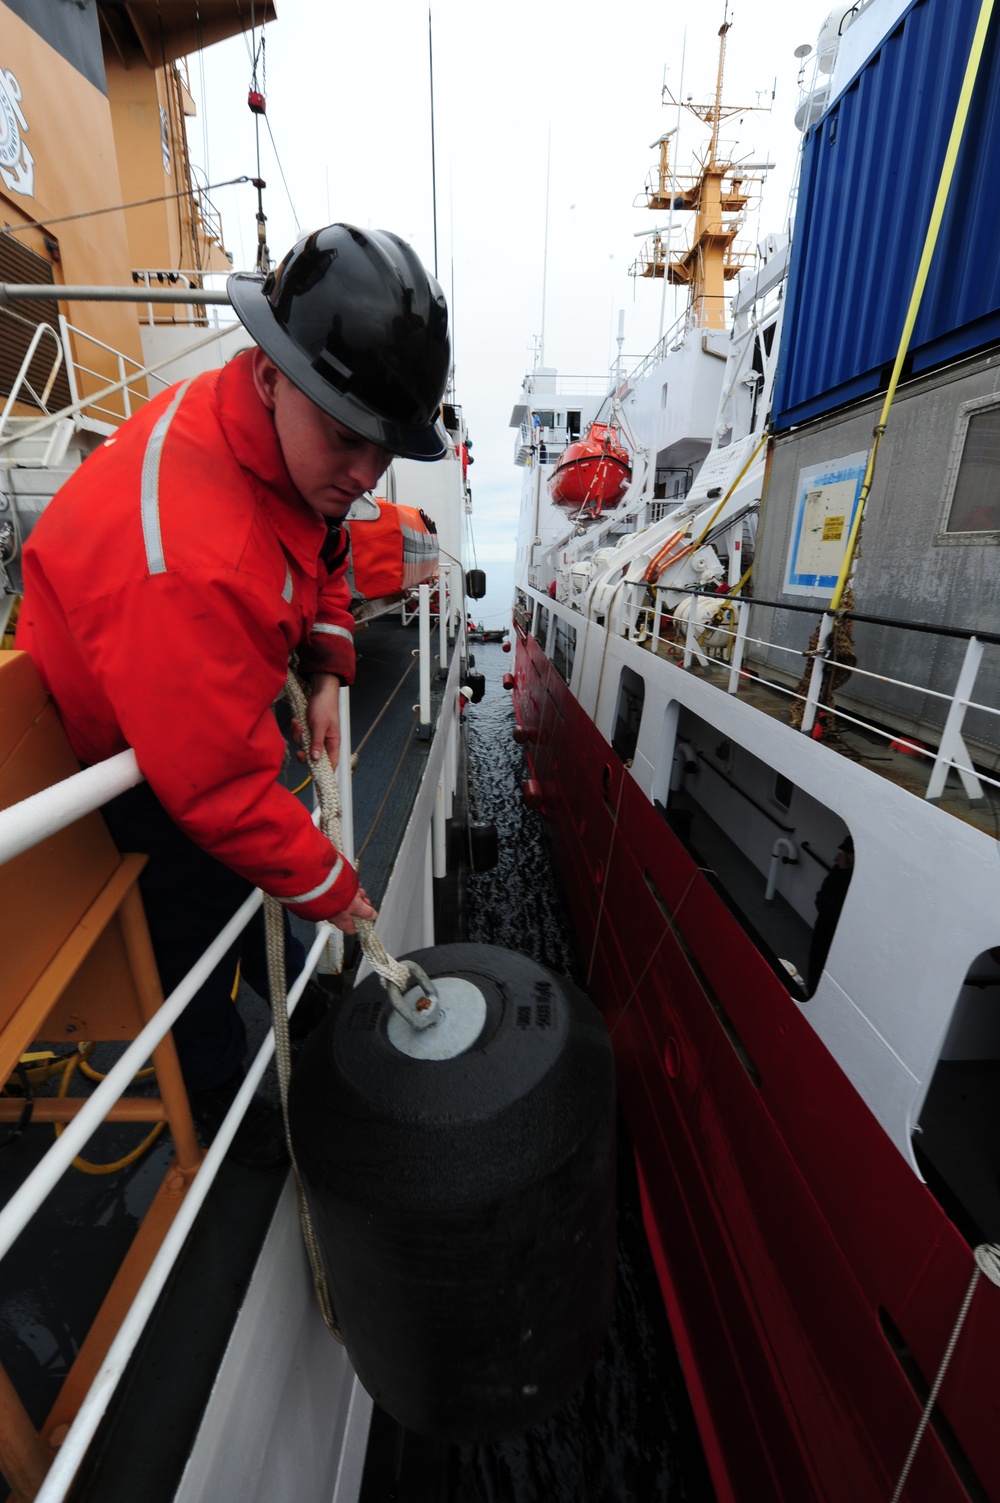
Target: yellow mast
[(716, 195)]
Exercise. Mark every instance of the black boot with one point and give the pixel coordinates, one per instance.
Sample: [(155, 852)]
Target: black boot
[(313, 1006), (259, 1142)]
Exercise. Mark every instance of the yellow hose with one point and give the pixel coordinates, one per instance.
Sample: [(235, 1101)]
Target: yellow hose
[(923, 271), (80, 1057)]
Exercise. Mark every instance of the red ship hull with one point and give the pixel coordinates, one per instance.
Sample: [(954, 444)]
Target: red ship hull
[(811, 1280), (593, 473)]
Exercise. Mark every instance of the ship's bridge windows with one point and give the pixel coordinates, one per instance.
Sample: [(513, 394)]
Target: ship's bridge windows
[(957, 1139), (781, 861), (972, 497), (546, 418), (563, 648), (628, 714)]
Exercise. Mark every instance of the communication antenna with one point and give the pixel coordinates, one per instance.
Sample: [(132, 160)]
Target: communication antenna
[(670, 222), (545, 248), (434, 191)]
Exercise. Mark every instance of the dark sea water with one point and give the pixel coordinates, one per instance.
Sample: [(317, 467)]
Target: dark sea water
[(629, 1435)]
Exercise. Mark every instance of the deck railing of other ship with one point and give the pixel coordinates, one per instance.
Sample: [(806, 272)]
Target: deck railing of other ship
[(541, 384), (952, 752), (668, 341)]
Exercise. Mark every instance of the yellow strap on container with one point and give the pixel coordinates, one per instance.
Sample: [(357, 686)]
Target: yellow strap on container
[(923, 271)]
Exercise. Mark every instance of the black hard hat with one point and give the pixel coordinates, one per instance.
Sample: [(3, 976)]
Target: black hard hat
[(355, 322)]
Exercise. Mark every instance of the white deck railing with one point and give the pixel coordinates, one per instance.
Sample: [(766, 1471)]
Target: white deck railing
[(22, 826), (33, 820), (951, 754), (130, 372)]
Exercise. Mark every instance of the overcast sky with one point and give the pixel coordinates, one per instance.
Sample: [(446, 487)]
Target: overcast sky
[(516, 86)]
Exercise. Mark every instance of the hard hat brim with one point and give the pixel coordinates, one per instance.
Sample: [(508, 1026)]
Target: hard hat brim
[(254, 313)]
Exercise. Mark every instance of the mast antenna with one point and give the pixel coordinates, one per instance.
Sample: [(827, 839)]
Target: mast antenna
[(434, 191), (545, 247)]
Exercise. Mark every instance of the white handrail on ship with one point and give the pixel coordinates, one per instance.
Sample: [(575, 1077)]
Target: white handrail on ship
[(69, 800), (91, 400), (27, 1200), (35, 818), (84, 1427), (951, 749), (21, 826), (21, 379)]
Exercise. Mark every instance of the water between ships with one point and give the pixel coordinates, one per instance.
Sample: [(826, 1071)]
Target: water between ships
[(629, 1435)]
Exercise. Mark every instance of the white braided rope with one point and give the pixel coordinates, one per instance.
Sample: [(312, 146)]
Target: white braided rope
[(390, 970), (274, 923), (328, 793), (987, 1257)]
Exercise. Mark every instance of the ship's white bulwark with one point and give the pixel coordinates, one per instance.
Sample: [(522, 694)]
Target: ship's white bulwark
[(885, 1002)]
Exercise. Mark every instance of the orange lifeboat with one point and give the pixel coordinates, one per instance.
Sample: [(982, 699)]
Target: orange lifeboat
[(593, 473)]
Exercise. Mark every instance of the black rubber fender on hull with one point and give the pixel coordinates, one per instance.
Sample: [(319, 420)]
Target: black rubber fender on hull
[(465, 1206)]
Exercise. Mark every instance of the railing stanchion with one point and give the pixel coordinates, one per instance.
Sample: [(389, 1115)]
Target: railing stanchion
[(739, 645), (952, 751), (692, 622), (424, 653), (816, 675)]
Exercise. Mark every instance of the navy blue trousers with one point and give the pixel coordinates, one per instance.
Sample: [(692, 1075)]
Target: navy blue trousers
[(189, 897)]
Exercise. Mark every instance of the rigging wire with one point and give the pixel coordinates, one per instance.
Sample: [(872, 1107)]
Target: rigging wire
[(257, 54), (167, 122), (281, 170), (137, 203), (257, 102)]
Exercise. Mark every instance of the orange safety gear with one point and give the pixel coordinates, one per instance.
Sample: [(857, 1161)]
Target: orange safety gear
[(165, 586)]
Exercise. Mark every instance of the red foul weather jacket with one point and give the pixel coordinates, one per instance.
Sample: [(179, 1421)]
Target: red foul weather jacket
[(164, 588)]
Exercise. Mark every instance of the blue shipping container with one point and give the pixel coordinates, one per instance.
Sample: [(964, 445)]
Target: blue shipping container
[(870, 171)]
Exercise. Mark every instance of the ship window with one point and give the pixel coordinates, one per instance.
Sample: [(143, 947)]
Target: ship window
[(783, 790), (628, 715), (973, 500), (541, 631), (957, 1141), (563, 648), (782, 872), (546, 419), (573, 424)]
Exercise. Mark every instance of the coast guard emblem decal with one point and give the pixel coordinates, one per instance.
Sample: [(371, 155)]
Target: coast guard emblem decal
[(17, 165)]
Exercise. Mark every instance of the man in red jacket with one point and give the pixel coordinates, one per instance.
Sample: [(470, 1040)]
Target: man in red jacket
[(172, 577)]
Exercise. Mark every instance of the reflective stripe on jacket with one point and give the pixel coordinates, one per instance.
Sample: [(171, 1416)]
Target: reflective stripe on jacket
[(165, 587)]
